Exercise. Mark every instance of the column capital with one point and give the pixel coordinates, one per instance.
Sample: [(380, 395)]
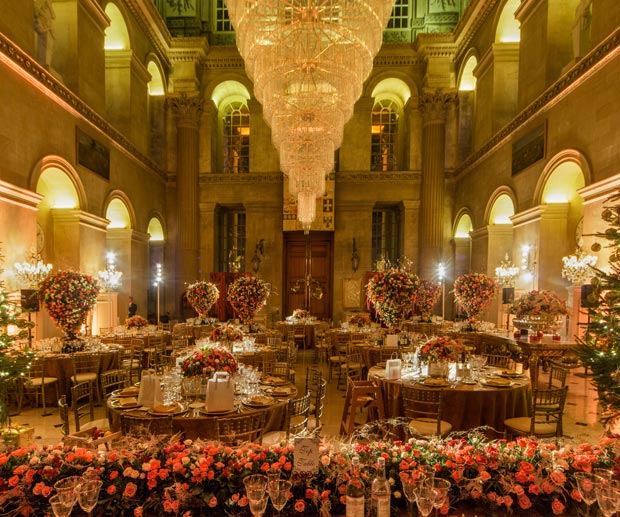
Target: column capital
[(434, 105), (186, 109)]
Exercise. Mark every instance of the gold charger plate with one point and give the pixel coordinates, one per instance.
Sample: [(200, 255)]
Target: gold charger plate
[(121, 403), (436, 383), (381, 364), (125, 393), (259, 401), (274, 381), (172, 409), (205, 411), (496, 383)]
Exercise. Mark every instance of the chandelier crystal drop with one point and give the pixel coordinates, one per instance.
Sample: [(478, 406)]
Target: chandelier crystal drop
[(308, 60)]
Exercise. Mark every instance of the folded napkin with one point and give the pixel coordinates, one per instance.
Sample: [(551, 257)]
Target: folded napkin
[(281, 391), (498, 382), (433, 381), (130, 392), (166, 409), (128, 402), (260, 399)]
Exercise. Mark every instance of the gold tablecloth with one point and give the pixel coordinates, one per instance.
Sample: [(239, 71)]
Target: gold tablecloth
[(465, 406)]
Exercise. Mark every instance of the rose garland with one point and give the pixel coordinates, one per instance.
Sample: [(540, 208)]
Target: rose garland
[(474, 291), (201, 296), (392, 293), (68, 296), (246, 295)]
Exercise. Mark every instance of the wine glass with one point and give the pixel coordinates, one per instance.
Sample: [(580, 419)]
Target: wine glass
[(66, 489), (61, 507), (258, 501), (586, 483), (440, 487), (88, 494), (278, 493), (608, 497), (425, 500), (412, 480), (255, 481)]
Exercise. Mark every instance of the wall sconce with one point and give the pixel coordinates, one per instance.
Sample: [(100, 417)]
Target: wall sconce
[(260, 248), (355, 257)]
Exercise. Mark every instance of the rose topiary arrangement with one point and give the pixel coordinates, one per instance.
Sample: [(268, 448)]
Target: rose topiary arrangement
[(427, 296), (246, 295), (474, 292), (201, 296), (392, 293), (68, 297)]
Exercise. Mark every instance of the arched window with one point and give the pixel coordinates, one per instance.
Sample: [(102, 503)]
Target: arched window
[(236, 138), (384, 136)]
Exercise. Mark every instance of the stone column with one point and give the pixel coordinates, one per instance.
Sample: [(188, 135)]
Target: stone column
[(434, 106), (186, 110)]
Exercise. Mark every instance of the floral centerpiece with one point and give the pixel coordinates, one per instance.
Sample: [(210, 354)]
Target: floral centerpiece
[(473, 292), (247, 295), (300, 314), (208, 360), (427, 296), (538, 310), (441, 349), (136, 322), (201, 296), (68, 297), (359, 320), (392, 293), (226, 333)]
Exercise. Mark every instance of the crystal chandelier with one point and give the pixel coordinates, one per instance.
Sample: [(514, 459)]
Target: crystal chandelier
[(579, 267), (110, 278), (507, 273), (32, 272), (308, 60)]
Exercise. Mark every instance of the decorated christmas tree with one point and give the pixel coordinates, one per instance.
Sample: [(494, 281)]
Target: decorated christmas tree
[(14, 361), (600, 347)]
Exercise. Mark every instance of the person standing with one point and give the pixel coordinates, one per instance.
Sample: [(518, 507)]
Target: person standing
[(133, 308)]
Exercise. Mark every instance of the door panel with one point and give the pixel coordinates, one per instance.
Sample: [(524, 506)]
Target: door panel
[(308, 272)]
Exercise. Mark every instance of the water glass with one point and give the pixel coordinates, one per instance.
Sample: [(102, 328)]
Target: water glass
[(66, 489), (61, 508), (88, 494)]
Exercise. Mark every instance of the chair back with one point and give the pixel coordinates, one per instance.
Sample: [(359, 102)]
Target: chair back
[(557, 376), (82, 404), (547, 410), (146, 426), (63, 409), (498, 360), (423, 403), (85, 362), (242, 428), (36, 369), (297, 413), (113, 380)]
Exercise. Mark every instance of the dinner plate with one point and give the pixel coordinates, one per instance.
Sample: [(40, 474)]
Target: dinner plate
[(274, 381), (496, 383), (436, 383), (381, 364), (259, 401), (118, 404), (205, 411), (124, 393), (175, 409)]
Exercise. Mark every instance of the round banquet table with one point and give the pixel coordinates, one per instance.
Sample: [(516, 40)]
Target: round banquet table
[(61, 367), (194, 424), (310, 329), (465, 406)]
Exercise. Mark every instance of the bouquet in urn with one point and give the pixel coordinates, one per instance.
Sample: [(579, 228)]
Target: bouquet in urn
[(247, 295), (201, 296)]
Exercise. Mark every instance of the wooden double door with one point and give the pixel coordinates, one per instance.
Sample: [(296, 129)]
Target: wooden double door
[(308, 273)]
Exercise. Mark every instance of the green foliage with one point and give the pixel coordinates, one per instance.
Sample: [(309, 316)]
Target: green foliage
[(600, 347), (13, 360)]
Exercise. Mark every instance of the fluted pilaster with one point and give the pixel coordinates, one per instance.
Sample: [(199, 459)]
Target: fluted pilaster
[(186, 110), (434, 106)]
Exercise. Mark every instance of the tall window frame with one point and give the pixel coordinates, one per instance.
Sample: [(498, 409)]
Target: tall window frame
[(386, 240), (236, 138), (399, 19), (385, 118), (222, 20), (231, 239)]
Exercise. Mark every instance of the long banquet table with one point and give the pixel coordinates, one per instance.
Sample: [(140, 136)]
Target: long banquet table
[(465, 406)]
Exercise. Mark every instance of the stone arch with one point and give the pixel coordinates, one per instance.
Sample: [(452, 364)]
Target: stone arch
[(463, 224), (242, 80), (118, 33), (73, 187), (466, 78), (158, 85), (119, 210), (501, 206), (398, 81), (156, 228), (562, 166), (507, 28)]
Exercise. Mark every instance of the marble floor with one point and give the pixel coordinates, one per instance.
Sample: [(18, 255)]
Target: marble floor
[(580, 419)]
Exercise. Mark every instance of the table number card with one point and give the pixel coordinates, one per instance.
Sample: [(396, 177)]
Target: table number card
[(306, 455)]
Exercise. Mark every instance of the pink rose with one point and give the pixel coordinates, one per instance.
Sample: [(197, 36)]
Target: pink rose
[(524, 502), (213, 502), (111, 490), (130, 490), (137, 512), (557, 507), (300, 506)]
